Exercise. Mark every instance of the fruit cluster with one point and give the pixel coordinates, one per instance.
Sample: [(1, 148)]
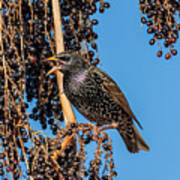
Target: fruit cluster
[(78, 26), (160, 16), (27, 94)]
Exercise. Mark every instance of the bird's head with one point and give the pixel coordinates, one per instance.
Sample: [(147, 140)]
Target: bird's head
[(68, 62)]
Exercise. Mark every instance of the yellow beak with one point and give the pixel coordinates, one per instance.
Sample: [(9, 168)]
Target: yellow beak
[(55, 68), (51, 59)]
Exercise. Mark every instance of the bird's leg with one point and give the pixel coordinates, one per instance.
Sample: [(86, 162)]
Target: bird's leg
[(98, 131), (112, 126), (108, 127)]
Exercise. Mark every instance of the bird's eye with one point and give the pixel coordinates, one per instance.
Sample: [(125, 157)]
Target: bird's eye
[(64, 58)]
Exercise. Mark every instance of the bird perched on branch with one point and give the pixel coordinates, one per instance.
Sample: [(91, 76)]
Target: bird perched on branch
[(98, 98)]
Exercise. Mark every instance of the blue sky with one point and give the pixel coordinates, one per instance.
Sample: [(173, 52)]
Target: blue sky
[(152, 88)]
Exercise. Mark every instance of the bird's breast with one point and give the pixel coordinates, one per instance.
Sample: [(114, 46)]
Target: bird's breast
[(74, 85), (90, 100), (76, 81)]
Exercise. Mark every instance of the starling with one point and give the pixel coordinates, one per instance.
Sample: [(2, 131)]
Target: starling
[(97, 97)]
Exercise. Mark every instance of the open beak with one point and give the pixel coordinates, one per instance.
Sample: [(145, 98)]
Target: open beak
[(55, 68)]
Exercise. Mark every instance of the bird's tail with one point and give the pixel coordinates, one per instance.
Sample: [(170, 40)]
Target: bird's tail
[(134, 141)]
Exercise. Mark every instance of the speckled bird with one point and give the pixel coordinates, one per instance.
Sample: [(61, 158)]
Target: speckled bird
[(98, 98)]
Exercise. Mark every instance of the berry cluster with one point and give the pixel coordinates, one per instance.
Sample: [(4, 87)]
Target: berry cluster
[(160, 16), (27, 94), (78, 26)]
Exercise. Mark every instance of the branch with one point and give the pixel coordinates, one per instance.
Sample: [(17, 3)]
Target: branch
[(65, 104)]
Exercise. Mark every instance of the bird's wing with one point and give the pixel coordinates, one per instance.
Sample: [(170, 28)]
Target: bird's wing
[(114, 91)]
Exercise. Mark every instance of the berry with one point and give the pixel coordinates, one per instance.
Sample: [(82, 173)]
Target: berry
[(106, 5), (150, 30), (168, 56), (152, 41), (96, 61), (94, 21), (173, 52), (143, 20), (159, 53)]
